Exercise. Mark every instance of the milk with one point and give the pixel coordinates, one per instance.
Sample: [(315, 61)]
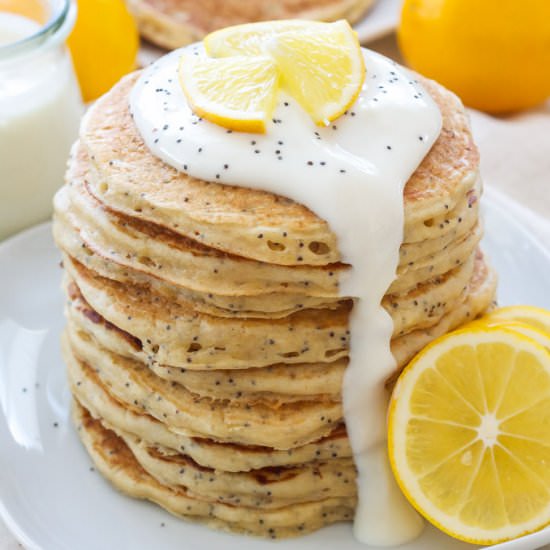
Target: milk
[(40, 109)]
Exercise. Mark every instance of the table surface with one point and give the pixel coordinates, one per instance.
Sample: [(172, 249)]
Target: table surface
[(515, 160)]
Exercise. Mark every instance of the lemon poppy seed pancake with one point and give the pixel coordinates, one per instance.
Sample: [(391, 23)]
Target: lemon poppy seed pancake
[(209, 327), (255, 224), (174, 23), (118, 464)]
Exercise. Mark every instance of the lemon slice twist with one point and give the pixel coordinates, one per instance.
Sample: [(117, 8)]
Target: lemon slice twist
[(235, 92), (319, 64)]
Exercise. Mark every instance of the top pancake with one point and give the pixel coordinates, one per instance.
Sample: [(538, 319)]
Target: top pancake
[(174, 23), (246, 222)]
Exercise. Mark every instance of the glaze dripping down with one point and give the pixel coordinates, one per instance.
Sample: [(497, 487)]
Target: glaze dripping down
[(352, 174)]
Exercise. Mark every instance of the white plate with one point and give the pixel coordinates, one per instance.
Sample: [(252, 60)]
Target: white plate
[(51, 499), (380, 20)]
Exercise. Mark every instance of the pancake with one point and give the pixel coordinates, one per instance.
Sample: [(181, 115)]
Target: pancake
[(434, 295), (296, 378), (176, 334), (131, 382), (146, 247), (117, 463), (266, 488), (286, 382), (113, 337), (207, 340), (442, 227), (435, 265), (270, 305), (273, 384), (174, 23), (287, 425), (95, 397), (128, 179), (480, 298), (433, 268)]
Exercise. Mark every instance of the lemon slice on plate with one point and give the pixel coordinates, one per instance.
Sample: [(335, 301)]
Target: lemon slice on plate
[(319, 64), (469, 437), (532, 315), (235, 92), (540, 336)]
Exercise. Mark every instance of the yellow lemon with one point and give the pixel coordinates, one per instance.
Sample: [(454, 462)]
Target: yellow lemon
[(543, 338), (319, 64), (537, 317), (103, 44), (469, 441), (323, 69), (254, 38), (215, 90), (495, 55)]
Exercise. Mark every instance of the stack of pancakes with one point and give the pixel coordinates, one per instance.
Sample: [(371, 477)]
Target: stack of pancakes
[(174, 23), (206, 338)]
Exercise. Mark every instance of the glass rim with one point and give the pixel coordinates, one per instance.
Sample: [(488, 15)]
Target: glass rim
[(53, 31)]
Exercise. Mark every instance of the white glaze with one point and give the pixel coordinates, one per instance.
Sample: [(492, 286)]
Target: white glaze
[(351, 174)]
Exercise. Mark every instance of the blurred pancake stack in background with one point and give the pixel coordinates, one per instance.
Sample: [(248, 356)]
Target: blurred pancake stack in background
[(174, 23), (206, 337)]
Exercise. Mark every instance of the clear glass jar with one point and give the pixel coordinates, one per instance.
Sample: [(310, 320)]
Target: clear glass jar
[(40, 109)]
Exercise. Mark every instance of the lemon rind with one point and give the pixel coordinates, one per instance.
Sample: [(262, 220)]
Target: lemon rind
[(397, 453)]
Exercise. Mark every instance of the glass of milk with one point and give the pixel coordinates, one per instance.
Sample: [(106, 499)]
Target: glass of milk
[(40, 108)]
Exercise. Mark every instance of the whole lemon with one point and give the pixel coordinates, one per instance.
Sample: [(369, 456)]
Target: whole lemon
[(103, 44), (495, 54)]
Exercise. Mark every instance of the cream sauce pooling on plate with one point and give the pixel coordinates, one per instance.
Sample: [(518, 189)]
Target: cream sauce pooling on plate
[(352, 174)]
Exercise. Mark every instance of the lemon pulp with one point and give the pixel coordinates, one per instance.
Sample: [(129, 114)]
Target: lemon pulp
[(468, 434), (320, 64), (235, 92)]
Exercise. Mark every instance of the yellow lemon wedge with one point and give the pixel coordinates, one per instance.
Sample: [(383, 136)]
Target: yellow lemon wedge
[(532, 315), (319, 64), (236, 92), (323, 69), (253, 38), (468, 436)]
